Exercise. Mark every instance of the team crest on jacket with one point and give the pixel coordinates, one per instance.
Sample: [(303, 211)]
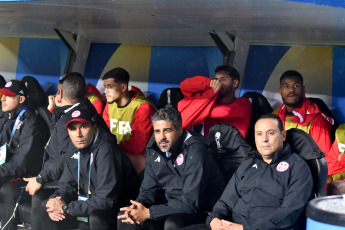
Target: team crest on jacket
[(180, 159), (282, 166), (19, 124)]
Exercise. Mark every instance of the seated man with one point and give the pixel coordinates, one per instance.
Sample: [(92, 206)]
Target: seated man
[(127, 114), (268, 191), (23, 136), (299, 112), (213, 101), (92, 94), (70, 94), (90, 186), (335, 157), (22, 142), (181, 180)]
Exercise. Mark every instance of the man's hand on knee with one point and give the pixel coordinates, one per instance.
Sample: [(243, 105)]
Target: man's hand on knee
[(32, 187)]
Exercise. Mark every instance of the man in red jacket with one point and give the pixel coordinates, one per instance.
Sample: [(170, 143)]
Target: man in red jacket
[(299, 112), (335, 157), (212, 101)]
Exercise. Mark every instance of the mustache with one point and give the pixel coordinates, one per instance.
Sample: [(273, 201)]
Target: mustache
[(291, 94), (163, 141)]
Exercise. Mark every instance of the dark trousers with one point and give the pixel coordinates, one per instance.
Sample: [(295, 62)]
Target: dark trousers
[(9, 194), (98, 220), (172, 222), (197, 227), (37, 199)]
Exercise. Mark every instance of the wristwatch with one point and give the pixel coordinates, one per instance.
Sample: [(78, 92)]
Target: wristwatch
[(65, 209), (39, 179)]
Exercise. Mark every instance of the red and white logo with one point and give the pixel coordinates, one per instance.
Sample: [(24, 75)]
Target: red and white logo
[(19, 124), (8, 84), (76, 113), (282, 166), (180, 159)]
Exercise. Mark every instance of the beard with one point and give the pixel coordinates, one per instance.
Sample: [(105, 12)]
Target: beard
[(165, 149), (225, 92), (295, 104)]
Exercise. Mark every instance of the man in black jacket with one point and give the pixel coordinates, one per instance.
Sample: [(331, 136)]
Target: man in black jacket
[(90, 187), (181, 180), (70, 94), (22, 142), (268, 191), (43, 183)]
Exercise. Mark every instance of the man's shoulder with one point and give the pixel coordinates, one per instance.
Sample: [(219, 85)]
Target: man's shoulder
[(196, 139), (244, 100), (320, 118), (141, 101)]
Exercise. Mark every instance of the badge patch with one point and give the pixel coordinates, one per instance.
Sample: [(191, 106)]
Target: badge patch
[(180, 159), (282, 166), (8, 84), (76, 113), (19, 124)]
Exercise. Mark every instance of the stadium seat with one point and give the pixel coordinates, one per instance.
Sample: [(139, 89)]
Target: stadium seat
[(304, 145), (260, 106), (229, 148), (170, 97)]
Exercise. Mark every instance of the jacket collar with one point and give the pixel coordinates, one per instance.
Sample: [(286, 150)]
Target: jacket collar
[(176, 149), (283, 154), (13, 115)]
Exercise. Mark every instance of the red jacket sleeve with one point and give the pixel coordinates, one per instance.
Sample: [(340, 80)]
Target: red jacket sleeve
[(195, 86), (320, 131), (141, 130), (99, 106), (335, 166), (105, 115), (198, 99)]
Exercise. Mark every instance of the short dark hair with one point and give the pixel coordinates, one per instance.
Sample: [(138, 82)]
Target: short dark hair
[(119, 75), (2, 81), (291, 73), (272, 116), (73, 86), (168, 114), (233, 73)]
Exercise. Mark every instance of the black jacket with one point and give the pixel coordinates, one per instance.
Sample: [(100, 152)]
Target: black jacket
[(24, 155), (266, 196), (187, 182), (60, 143), (106, 177)]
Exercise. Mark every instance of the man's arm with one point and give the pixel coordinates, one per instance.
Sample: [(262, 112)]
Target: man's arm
[(195, 85), (199, 97), (223, 208), (26, 148), (67, 185), (108, 191), (150, 189), (141, 130)]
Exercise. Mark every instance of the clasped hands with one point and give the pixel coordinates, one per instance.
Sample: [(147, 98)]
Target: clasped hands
[(134, 214), (217, 224), (54, 208)]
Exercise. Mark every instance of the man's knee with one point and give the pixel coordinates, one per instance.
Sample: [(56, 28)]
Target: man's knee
[(102, 220), (181, 220), (44, 207)]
